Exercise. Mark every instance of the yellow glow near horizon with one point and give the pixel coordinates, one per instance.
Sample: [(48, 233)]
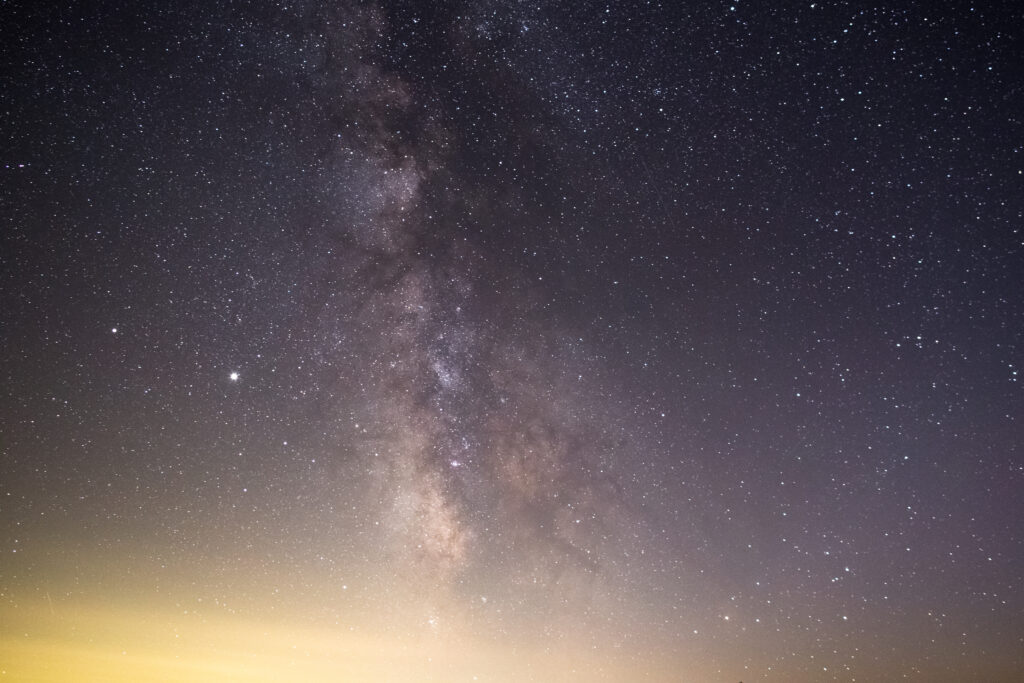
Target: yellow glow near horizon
[(110, 644)]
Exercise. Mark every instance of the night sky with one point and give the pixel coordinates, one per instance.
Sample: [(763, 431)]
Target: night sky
[(511, 341)]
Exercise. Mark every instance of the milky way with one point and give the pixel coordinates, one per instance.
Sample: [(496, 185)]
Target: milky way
[(511, 342)]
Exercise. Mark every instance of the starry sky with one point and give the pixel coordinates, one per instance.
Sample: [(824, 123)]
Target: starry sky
[(511, 341)]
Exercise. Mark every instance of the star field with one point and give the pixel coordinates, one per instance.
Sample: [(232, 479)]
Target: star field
[(507, 341)]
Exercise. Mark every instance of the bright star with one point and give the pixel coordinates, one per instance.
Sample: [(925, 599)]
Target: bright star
[(233, 376)]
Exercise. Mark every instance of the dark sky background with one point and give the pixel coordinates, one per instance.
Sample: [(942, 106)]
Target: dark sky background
[(511, 341)]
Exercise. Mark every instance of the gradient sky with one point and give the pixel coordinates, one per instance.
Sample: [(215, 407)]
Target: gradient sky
[(511, 341)]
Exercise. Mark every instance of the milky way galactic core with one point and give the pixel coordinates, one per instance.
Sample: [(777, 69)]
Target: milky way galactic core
[(506, 341)]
